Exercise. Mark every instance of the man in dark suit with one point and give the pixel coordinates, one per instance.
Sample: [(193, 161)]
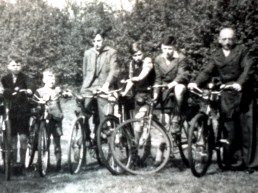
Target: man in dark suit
[(19, 106), (99, 71), (234, 66)]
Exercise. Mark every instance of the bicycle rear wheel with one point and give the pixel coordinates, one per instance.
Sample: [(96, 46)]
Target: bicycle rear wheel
[(32, 144), (104, 132), (182, 142), (200, 145), (145, 155), (7, 150), (43, 150), (76, 153)]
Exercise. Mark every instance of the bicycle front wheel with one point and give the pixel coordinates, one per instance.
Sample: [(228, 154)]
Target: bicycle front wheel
[(200, 145), (76, 151), (43, 150), (140, 147), (32, 144), (104, 132), (220, 150), (7, 150)]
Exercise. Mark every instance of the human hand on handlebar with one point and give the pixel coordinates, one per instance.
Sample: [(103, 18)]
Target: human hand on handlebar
[(172, 84), (105, 88), (192, 85), (235, 86)]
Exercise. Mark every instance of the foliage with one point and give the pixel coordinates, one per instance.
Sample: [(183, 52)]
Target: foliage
[(50, 37)]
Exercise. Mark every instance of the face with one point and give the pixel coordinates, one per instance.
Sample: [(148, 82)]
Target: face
[(167, 51), (15, 67), (49, 81), (98, 42), (227, 38), (138, 57)]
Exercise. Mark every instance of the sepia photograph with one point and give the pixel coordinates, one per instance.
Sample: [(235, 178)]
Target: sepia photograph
[(128, 96)]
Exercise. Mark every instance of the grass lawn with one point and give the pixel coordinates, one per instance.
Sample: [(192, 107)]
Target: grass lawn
[(96, 179)]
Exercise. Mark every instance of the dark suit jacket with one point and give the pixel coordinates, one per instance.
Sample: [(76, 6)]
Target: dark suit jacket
[(176, 71), (19, 101), (237, 67), (98, 69)]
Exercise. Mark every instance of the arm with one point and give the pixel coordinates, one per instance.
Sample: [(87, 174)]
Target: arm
[(182, 72), (147, 67), (84, 66), (114, 71), (158, 81), (248, 69)]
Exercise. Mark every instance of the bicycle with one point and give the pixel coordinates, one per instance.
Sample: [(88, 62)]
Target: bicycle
[(116, 116), (139, 155), (6, 144), (39, 138), (6, 129), (84, 140), (205, 135)]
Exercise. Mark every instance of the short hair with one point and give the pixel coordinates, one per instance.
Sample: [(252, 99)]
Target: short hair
[(135, 47), (169, 40), (98, 31), (15, 57), (48, 73)]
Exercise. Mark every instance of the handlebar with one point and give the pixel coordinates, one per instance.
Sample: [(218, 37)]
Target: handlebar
[(209, 94), (45, 99)]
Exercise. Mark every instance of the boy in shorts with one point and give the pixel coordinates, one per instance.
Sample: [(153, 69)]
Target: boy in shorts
[(54, 126), (19, 112)]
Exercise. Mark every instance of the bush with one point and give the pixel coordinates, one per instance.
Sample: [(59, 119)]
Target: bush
[(50, 37)]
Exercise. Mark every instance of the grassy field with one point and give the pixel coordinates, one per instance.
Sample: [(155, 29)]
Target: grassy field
[(175, 178)]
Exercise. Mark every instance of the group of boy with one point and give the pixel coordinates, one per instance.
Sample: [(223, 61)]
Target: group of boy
[(231, 63), (17, 88)]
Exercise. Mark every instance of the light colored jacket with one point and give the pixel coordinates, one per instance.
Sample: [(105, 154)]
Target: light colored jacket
[(99, 68)]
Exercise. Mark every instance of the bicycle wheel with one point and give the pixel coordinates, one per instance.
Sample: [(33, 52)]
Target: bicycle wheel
[(43, 150), (76, 150), (220, 150), (200, 145), (182, 142), (32, 144), (7, 149), (147, 154), (105, 129)]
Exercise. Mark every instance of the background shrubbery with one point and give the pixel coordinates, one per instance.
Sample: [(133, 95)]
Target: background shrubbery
[(50, 37)]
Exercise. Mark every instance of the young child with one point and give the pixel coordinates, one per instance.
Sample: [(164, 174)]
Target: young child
[(19, 111), (55, 124)]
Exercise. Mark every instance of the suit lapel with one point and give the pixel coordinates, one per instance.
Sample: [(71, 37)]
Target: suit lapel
[(168, 68), (101, 57)]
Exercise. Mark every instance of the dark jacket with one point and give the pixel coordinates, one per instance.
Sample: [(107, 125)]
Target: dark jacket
[(19, 102), (237, 67), (176, 71)]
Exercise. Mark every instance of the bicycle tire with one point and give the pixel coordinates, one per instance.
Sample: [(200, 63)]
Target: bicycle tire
[(7, 150), (200, 144), (220, 151), (182, 142), (31, 145), (104, 132), (43, 149), (76, 152), (135, 157)]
